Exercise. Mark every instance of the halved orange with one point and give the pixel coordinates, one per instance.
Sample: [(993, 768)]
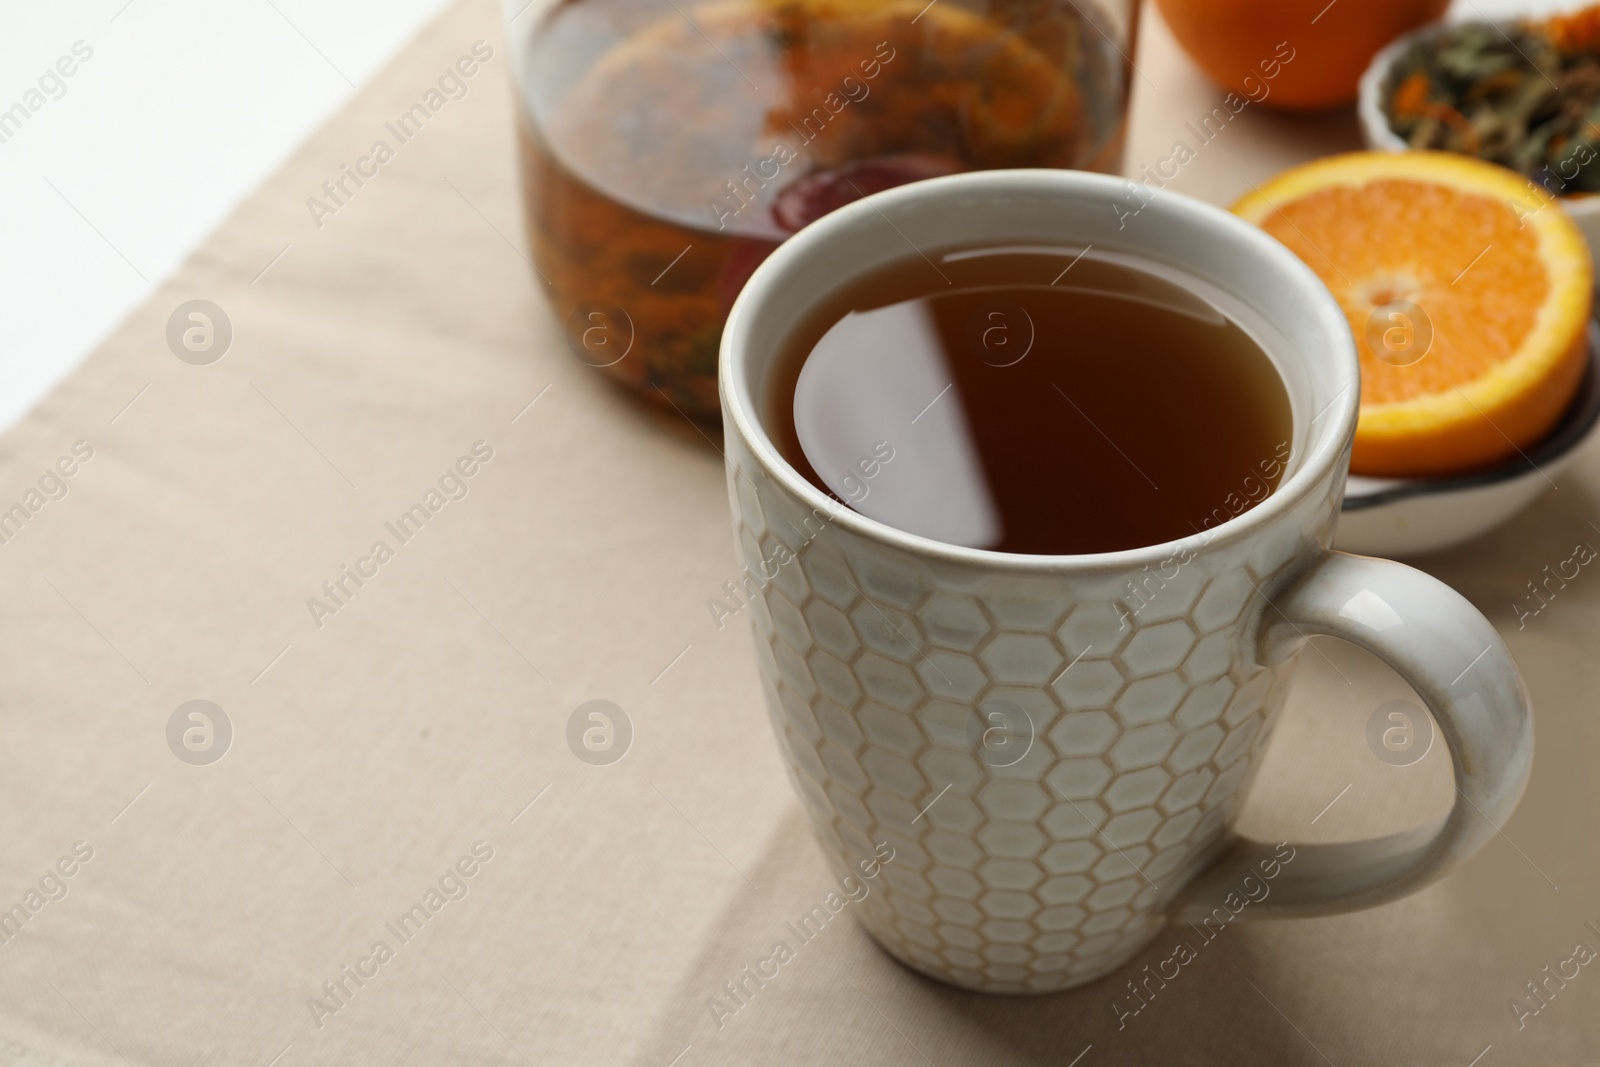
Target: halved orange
[(1467, 288)]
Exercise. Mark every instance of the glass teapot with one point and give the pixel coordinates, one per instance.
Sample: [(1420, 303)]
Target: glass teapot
[(668, 146)]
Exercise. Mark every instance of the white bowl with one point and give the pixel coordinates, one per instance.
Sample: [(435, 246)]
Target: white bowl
[(1375, 131)]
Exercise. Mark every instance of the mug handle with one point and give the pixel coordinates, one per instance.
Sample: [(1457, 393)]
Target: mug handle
[(1451, 655)]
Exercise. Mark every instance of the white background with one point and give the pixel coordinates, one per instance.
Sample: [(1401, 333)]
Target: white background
[(184, 109)]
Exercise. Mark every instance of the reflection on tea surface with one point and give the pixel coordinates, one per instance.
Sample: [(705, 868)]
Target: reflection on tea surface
[(1038, 400)]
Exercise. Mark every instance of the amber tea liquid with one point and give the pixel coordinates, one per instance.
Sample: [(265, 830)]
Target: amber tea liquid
[(1034, 400)]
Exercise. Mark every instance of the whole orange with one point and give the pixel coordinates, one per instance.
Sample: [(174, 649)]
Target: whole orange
[(1299, 55)]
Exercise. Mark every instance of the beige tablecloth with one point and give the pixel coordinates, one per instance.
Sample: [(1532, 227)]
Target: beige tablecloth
[(381, 751)]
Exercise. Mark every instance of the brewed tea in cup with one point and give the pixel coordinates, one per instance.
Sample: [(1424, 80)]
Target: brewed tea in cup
[(1032, 542)]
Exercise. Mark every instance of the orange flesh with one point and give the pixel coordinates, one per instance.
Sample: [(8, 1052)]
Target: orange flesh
[(1479, 277)]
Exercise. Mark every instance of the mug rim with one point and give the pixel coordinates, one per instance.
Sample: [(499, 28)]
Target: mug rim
[(1327, 448)]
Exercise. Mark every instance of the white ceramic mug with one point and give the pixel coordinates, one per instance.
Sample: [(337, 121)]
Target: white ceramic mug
[(1046, 822)]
